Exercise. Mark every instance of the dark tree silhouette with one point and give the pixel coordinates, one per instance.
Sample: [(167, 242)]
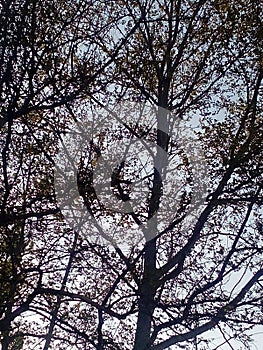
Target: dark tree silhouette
[(150, 67)]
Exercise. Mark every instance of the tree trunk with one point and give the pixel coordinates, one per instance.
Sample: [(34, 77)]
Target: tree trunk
[(148, 287), (146, 302)]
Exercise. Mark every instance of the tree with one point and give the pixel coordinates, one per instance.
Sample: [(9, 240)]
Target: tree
[(185, 58), (43, 67)]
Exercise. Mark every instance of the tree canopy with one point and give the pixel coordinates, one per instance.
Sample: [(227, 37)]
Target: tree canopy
[(131, 174)]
